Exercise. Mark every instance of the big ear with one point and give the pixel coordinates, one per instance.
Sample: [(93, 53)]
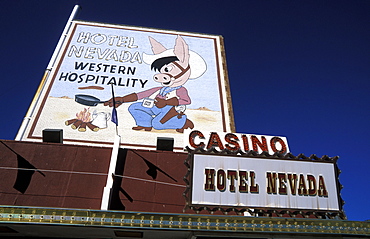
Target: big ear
[(156, 46), (182, 51)]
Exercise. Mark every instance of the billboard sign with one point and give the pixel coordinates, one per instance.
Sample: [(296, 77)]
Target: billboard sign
[(228, 181), (163, 81)]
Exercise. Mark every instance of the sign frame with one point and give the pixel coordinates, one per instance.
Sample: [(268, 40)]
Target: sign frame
[(262, 210), (30, 129)]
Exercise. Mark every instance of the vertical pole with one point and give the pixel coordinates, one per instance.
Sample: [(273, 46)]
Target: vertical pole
[(108, 189), (63, 37), (112, 168), (114, 116)]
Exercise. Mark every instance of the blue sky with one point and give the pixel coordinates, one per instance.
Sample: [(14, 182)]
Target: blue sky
[(299, 69)]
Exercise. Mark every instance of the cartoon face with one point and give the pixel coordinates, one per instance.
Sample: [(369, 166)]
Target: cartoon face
[(172, 74)]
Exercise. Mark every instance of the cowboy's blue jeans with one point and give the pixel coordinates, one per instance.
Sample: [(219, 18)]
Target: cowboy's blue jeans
[(150, 117)]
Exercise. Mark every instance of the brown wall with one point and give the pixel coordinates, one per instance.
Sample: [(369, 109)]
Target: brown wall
[(74, 177), (63, 179), (154, 181)]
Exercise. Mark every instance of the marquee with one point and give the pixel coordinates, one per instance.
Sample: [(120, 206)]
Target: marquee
[(246, 182)]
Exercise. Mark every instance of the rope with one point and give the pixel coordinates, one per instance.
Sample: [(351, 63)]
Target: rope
[(92, 173)]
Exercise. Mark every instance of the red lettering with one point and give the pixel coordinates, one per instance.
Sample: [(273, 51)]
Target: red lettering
[(322, 188), (210, 179), (232, 140), (262, 145), (192, 136), (273, 142), (232, 176), (221, 180), (245, 143), (282, 183), (243, 187), (271, 182), (292, 178), (311, 181), (215, 141), (302, 189), (254, 188)]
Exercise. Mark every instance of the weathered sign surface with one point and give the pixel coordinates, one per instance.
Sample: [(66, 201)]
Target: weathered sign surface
[(163, 81), (254, 182)]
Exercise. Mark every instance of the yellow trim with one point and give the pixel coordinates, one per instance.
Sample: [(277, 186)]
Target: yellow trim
[(192, 222), (37, 94)]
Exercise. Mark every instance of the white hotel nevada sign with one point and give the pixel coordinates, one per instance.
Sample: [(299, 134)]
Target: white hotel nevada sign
[(229, 170)]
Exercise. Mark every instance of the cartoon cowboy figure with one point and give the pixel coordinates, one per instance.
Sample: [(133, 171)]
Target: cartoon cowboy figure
[(163, 107)]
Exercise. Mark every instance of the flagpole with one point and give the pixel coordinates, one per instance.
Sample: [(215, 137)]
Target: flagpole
[(108, 189), (114, 111)]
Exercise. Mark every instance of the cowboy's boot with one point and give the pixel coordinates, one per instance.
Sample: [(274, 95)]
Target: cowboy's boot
[(188, 124)]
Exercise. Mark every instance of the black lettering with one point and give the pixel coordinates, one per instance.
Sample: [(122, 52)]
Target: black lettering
[(119, 82), (131, 71), (63, 76), (99, 67), (90, 78), (133, 82), (113, 68), (81, 78), (92, 65), (72, 77), (104, 77), (143, 83), (105, 67), (80, 66), (112, 81), (121, 69)]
